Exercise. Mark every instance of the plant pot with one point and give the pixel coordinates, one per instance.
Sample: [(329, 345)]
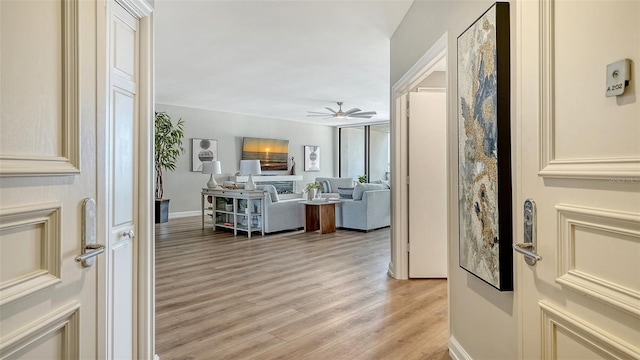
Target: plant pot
[(162, 211), (311, 194)]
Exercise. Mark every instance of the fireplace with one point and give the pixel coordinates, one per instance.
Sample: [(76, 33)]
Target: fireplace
[(282, 187), (284, 184)]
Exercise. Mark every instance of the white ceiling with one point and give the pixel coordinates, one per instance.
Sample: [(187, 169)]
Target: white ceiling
[(276, 59)]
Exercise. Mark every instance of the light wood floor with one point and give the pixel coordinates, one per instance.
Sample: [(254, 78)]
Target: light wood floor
[(290, 296)]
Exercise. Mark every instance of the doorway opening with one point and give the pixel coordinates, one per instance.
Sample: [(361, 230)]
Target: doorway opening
[(420, 93)]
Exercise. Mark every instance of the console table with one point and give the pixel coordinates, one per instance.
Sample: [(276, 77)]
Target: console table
[(244, 214)]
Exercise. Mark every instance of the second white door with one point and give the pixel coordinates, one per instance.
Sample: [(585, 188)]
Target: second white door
[(123, 129), (427, 185)]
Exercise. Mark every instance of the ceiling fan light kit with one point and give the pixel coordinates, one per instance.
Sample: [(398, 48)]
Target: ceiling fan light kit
[(354, 113)]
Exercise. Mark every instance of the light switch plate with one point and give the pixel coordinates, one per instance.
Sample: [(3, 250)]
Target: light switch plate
[(618, 74)]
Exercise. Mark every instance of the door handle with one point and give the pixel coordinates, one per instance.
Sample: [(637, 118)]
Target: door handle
[(528, 248), (130, 234), (529, 255), (90, 248)]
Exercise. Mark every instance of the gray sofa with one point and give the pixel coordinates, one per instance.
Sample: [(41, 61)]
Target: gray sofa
[(281, 214), (368, 209), (369, 213), (333, 183)]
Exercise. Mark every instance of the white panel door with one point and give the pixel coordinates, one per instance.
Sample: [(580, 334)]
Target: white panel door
[(579, 157), (122, 198), (48, 90), (427, 185)]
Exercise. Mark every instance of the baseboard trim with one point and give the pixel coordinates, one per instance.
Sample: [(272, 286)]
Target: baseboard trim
[(184, 214), (456, 351), (390, 271)]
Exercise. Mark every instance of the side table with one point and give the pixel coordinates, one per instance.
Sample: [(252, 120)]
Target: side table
[(320, 216)]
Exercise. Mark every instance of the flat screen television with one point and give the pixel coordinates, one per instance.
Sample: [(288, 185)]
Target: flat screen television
[(272, 153)]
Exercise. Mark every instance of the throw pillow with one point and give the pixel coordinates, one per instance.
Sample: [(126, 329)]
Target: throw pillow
[(345, 192), (271, 190), (361, 188), (325, 186)]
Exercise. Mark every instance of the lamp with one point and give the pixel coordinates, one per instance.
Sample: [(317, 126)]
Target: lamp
[(250, 167), (211, 167)]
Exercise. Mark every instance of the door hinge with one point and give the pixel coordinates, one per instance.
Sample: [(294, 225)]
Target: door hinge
[(408, 247), (407, 180)]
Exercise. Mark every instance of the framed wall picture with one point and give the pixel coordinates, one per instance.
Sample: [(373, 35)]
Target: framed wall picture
[(203, 150), (484, 149), (311, 158)]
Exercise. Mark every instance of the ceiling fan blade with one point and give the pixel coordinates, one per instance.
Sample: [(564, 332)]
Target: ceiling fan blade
[(371, 113), (359, 117), (330, 109), (319, 115), (317, 112), (354, 110)]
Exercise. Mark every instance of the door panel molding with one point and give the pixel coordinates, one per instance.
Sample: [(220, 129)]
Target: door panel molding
[(123, 157), (591, 337), (68, 161), (550, 166), (65, 320), (43, 221), (612, 225)]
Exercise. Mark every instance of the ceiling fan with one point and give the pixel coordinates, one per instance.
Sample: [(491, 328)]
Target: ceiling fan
[(354, 113)]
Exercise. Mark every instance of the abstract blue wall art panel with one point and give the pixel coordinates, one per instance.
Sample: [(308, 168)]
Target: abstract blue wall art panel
[(484, 149)]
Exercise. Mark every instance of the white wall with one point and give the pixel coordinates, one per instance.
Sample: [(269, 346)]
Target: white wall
[(437, 79), (183, 186), (482, 320)]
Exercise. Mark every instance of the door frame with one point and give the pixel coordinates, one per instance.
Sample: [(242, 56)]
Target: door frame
[(399, 263), (144, 327)]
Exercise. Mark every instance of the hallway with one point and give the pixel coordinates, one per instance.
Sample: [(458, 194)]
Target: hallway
[(290, 296)]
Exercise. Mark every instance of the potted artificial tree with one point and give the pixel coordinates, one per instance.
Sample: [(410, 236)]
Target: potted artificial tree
[(168, 147)]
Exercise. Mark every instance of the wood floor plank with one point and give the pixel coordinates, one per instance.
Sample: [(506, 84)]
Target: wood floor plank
[(290, 295), (398, 321)]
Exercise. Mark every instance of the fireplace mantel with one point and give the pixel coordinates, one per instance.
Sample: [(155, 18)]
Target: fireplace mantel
[(263, 178), (276, 180)]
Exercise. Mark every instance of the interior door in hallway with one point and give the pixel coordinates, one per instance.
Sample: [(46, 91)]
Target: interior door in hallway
[(427, 184), (580, 162), (49, 302), (123, 172)]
